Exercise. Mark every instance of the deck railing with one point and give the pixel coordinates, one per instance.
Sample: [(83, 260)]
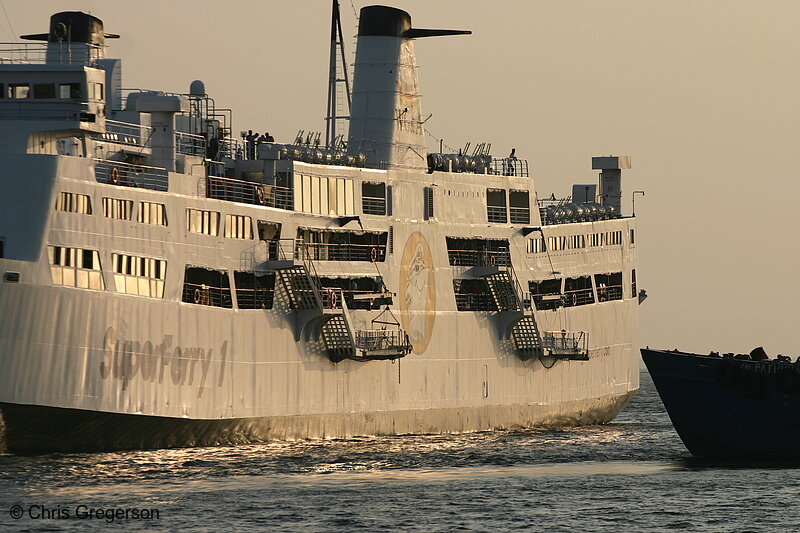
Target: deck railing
[(375, 253), (190, 144), (202, 294), (578, 297), (479, 257), (54, 53), (475, 302), (124, 133), (376, 340), (510, 166), (565, 342), (519, 215), (373, 205), (130, 175), (249, 193), (497, 214)]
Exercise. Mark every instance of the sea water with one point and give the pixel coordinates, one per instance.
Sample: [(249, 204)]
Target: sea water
[(630, 475)]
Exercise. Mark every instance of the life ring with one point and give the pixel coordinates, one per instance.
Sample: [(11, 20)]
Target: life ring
[(574, 299), (332, 299), (197, 296), (260, 195), (374, 255), (492, 260), (115, 175)]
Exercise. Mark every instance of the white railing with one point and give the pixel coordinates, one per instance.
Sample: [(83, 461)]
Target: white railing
[(52, 53), (129, 175), (565, 343)]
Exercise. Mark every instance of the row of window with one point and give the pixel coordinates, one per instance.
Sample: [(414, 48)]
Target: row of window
[(64, 91), (198, 220), (75, 267), (558, 243), (516, 210), (475, 294), (324, 196), (579, 290), (149, 212), (145, 276), (140, 276)]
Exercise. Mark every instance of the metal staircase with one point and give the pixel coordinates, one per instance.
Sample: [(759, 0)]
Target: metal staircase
[(319, 316), (301, 288), (503, 291), (337, 337), (521, 326), (526, 336), (507, 294)]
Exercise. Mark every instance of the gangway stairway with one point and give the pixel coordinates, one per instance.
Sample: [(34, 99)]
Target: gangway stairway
[(507, 295), (521, 323), (319, 317)]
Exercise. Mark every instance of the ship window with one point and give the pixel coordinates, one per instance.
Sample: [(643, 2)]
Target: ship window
[(359, 292), (95, 91), (270, 232), (117, 208), (238, 227), (536, 245), (141, 276), (557, 243), (152, 213), (324, 245), (477, 252), (205, 286), (597, 239), (74, 203), (255, 290), (44, 90), (71, 91), (18, 90), (633, 240), (609, 286), (473, 295), (546, 294), (200, 221), (75, 267), (373, 198), (577, 241), (323, 196), (633, 283), (428, 202), (614, 238), (2, 90), (519, 207), (578, 291), (496, 205)]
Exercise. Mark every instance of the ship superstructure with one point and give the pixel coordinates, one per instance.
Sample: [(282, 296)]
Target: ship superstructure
[(166, 284)]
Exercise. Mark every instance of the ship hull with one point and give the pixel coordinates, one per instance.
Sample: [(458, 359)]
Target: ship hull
[(729, 408), (31, 429)]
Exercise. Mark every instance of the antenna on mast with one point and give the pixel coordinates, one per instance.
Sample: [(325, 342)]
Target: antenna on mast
[(334, 81)]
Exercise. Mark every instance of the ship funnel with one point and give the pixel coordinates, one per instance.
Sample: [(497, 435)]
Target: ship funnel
[(385, 119), (611, 168), (70, 32)]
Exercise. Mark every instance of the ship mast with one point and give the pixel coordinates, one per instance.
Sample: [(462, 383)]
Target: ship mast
[(334, 81)]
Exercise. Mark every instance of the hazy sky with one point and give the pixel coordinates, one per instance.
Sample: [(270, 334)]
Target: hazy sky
[(702, 94)]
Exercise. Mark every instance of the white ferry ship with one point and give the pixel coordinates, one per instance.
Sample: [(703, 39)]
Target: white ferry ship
[(166, 283)]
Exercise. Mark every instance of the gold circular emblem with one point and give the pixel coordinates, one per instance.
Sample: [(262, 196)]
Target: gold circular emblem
[(417, 291)]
